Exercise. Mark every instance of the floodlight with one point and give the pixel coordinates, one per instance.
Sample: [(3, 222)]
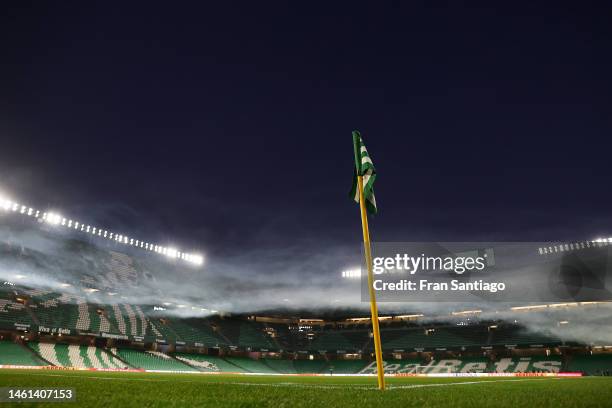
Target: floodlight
[(56, 219), (53, 218), (351, 273), (197, 259)]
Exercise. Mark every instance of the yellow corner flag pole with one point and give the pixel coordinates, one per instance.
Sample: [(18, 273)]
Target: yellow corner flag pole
[(373, 307)]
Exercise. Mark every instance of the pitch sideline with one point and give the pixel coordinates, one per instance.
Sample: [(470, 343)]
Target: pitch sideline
[(299, 385)]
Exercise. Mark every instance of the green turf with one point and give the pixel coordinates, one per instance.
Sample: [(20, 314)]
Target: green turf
[(113, 389)]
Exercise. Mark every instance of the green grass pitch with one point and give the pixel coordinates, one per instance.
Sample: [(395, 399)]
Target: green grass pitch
[(116, 389)]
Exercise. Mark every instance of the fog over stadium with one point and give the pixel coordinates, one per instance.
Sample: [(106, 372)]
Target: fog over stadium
[(290, 280)]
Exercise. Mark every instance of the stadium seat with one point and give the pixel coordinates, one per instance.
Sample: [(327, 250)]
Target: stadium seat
[(209, 363), (15, 354), (250, 365), (310, 366), (154, 361), (63, 355), (332, 341), (281, 366), (595, 364)]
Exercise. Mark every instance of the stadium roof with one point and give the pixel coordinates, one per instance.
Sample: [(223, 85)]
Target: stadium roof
[(55, 218)]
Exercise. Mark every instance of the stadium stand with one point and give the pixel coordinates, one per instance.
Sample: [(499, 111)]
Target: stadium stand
[(309, 366), (360, 339), (163, 330), (246, 334), (151, 360), (595, 364), (15, 354), (528, 364), (194, 330), (208, 363), (519, 336), (12, 312), (250, 365), (470, 365), (63, 355), (54, 310), (345, 366), (98, 277), (281, 366), (332, 341), (432, 338)]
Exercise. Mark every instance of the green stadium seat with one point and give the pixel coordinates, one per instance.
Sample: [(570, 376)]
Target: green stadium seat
[(16, 354), (149, 360), (209, 363), (63, 355)]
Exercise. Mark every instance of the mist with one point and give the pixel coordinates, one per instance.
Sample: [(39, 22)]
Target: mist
[(294, 278)]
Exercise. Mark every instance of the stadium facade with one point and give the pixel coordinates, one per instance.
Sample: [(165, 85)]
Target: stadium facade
[(69, 299)]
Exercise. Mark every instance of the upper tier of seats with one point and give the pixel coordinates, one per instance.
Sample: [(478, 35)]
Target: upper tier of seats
[(192, 331), (520, 336), (332, 341), (246, 334), (442, 337), (13, 312)]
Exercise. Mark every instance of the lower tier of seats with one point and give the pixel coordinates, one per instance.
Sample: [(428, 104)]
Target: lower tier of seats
[(63, 355)]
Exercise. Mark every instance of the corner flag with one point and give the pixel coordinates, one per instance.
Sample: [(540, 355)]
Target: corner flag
[(363, 193), (363, 167)]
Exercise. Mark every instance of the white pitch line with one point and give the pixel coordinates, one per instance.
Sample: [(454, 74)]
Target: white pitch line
[(403, 387), (301, 385), (283, 384)]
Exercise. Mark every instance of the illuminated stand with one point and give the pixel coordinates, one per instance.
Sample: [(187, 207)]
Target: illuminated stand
[(57, 219)]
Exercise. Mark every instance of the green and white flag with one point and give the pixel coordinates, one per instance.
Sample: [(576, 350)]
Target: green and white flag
[(364, 167)]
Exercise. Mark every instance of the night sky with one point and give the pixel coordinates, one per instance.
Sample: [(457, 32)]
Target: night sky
[(227, 127)]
